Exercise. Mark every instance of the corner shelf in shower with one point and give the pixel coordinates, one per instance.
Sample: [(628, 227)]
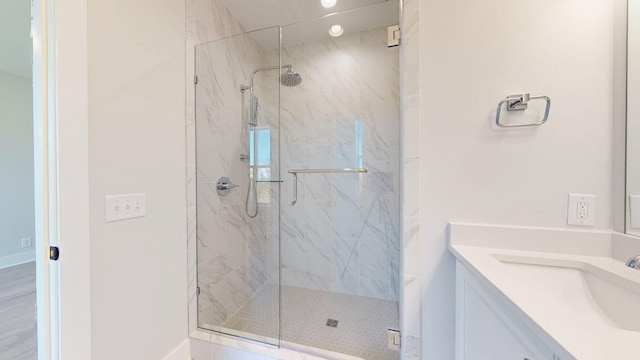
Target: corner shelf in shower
[(269, 181)]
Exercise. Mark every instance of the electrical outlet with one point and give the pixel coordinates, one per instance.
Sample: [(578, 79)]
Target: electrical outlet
[(26, 242), (122, 207), (581, 209)]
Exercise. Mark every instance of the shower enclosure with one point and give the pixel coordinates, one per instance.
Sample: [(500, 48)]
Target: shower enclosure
[(298, 220)]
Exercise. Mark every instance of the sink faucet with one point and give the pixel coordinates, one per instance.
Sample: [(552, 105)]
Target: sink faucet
[(634, 262)]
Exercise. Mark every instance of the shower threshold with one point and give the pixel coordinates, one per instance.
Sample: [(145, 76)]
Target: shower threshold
[(360, 331)]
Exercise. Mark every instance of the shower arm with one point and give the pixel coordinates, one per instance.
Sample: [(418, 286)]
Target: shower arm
[(244, 88)]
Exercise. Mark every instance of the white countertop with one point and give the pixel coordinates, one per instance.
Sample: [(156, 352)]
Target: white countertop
[(544, 298)]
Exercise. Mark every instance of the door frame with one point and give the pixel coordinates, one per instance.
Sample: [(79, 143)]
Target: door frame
[(61, 168)]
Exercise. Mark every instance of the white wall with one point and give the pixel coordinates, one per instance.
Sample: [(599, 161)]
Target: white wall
[(15, 26), (16, 169), (137, 144), (473, 54)]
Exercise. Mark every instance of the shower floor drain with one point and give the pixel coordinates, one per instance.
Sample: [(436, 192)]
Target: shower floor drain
[(332, 323)]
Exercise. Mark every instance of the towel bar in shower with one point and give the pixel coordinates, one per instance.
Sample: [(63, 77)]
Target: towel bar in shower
[(295, 173), (520, 102)]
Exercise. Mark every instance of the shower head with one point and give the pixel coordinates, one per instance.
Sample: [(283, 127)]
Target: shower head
[(290, 78)]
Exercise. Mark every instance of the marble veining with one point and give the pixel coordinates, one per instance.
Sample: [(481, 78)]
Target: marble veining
[(411, 177)]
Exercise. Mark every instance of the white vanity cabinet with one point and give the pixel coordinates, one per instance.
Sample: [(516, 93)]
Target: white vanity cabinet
[(488, 326)]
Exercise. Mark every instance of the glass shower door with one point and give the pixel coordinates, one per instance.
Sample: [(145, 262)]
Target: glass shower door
[(237, 137), (297, 154), (340, 239)]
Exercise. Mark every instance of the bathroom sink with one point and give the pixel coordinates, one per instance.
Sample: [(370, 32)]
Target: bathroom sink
[(610, 296)]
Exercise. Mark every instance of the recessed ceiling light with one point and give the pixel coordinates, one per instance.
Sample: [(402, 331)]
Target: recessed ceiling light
[(328, 3), (336, 30)]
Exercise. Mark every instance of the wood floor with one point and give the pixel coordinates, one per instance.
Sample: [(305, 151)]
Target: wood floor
[(18, 339)]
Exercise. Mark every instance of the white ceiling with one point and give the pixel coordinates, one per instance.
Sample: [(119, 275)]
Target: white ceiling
[(15, 42), (307, 20)]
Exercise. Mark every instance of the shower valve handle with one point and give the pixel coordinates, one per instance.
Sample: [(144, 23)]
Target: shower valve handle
[(224, 186)]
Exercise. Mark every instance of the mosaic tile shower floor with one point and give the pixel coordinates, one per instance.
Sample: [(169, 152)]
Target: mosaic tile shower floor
[(362, 321)]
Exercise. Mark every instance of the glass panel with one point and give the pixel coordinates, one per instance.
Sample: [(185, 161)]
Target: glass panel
[(254, 14), (238, 238), (633, 120), (341, 241)]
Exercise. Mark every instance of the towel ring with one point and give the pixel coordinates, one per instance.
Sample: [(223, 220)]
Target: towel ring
[(520, 102)]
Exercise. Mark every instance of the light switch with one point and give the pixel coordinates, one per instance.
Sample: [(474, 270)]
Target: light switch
[(122, 207), (393, 339)]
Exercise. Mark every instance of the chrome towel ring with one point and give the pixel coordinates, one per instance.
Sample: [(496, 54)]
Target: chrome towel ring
[(520, 102)]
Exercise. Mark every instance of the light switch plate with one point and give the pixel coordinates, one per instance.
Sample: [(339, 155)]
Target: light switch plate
[(122, 207), (581, 209), (26, 242), (393, 339)]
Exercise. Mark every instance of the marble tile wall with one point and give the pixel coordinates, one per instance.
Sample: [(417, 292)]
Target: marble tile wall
[(412, 219), (231, 247), (343, 234)]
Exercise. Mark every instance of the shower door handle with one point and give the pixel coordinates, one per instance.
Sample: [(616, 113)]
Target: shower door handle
[(295, 189)]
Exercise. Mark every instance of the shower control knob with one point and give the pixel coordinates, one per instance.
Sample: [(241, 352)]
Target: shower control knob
[(224, 186)]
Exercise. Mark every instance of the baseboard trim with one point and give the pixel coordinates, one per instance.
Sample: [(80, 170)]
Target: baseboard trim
[(182, 352), (17, 259)]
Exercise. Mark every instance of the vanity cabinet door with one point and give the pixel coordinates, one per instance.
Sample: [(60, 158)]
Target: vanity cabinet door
[(485, 332)]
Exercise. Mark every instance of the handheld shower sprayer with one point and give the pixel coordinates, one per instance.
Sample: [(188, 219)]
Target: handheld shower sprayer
[(288, 79), (253, 111)]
